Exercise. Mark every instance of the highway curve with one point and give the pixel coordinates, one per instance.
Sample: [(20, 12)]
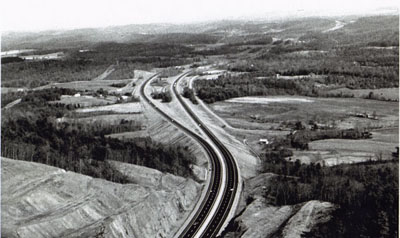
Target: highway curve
[(197, 226), (230, 188)]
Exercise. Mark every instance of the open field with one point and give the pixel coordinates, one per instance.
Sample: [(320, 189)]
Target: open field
[(116, 108), (339, 111)]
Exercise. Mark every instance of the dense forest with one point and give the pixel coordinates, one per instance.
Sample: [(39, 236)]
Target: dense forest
[(31, 132), (251, 84)]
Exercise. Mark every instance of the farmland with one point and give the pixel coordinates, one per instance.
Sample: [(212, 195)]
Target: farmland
[(276, 116)]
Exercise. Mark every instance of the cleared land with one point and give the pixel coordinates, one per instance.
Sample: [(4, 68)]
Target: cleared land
[(275, 116)]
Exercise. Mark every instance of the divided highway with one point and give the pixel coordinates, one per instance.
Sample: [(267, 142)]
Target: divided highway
[(216, 205)]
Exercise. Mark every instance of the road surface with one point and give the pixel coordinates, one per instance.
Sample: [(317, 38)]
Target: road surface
[(216, 205)]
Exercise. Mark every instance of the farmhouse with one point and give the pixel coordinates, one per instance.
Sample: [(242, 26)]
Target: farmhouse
[(263, 141)]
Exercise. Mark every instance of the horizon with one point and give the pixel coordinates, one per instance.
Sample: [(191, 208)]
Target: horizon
[(73, 16)]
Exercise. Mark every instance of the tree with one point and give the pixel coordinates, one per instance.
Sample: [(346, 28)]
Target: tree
[(99, 153), (370, 95), (299, 125)]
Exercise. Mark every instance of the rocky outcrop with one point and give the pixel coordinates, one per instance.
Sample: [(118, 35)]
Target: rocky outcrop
[(258, 218), (43, 201), (310, 214)]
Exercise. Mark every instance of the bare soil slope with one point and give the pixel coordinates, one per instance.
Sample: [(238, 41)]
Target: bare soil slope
[(43, 201)]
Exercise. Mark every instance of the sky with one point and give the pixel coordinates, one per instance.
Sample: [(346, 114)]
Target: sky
[(34, 15)]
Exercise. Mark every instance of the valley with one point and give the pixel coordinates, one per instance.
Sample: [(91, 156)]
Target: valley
[(230, 128)]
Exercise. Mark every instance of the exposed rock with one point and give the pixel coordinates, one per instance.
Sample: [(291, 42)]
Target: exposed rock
[(262, 220), (256, 216), (43, 201), (310, 214)]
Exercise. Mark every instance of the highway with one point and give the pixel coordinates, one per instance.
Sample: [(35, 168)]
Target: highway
[(220, 196)]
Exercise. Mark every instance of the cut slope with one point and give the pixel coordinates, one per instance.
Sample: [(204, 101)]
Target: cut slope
[(43, 201)]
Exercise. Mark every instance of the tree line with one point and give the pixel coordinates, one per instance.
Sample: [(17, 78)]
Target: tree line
[(227, 86), (367, 195), (250, 84)]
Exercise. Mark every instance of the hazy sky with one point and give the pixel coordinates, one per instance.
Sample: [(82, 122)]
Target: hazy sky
[(32, 15)]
